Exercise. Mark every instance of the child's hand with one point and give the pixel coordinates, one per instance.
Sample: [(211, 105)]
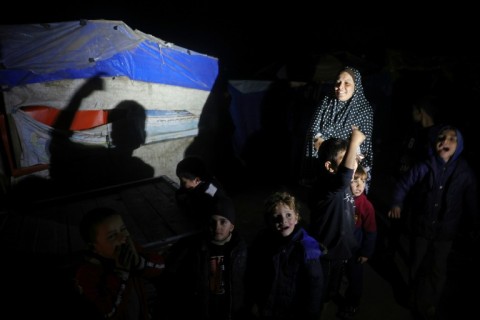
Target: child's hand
[(134, 253), (395, 213), (357, 136), (126, 256), (317, 142), (362, 260), (121, 261)]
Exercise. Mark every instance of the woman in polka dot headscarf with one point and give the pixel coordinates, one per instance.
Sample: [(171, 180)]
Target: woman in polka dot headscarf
[(335, 116)]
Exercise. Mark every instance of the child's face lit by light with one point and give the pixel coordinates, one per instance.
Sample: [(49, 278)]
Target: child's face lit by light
[(189, 183), (446, 144), (110, 234), (358, 185), (220, 227), (284, 219)]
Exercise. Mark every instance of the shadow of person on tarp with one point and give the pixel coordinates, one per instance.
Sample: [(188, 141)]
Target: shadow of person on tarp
[(128, 134), (79, 167)]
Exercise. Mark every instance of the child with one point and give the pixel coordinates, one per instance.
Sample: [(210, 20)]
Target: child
[(285, 278), (366, 234), (112, 276), (332, 207), (197, 189), (205, 273), (444, 192)]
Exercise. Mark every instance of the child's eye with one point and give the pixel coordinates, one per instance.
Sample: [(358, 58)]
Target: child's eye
[(277, 218)]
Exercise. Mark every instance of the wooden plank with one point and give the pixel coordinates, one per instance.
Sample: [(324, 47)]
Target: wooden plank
[(162, 198), (51, 235), (145, 215), (169, 183), (74, 214), (9, 237), (136, 231), (163, 201), (27, 234), (159, 205), (52, 227)]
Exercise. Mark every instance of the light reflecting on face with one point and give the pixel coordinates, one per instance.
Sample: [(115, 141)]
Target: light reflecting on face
[(358, 185), (110, 234), (189, 183), (446, 144), (284, 219), (220, 227), (344, 87)]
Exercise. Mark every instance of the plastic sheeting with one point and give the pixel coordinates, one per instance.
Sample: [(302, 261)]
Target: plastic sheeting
[(35, 136), (45, 64), (35, 53)]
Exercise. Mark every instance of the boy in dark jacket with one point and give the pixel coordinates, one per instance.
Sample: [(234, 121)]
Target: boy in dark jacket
[(332, 207), (205, 273), (443, 189)]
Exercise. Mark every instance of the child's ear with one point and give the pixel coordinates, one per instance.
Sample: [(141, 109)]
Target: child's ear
[(328, 166)]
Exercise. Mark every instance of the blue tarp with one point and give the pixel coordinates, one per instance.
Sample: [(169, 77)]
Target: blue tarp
[(34, 53), (45, 64)]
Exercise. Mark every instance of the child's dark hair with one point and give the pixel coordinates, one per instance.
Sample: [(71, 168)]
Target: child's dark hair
[(92, 219), (192, 167), (329, 149), (280, 198)]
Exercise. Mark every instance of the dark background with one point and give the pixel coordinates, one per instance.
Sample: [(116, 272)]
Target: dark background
[(249, 36), (402, 51)]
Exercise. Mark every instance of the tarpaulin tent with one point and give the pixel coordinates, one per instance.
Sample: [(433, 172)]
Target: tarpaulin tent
[(43, 65)]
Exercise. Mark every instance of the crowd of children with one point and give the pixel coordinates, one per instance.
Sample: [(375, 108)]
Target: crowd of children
[(291, 269)]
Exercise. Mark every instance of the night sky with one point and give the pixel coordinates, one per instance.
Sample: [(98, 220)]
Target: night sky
[(247, 39)]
